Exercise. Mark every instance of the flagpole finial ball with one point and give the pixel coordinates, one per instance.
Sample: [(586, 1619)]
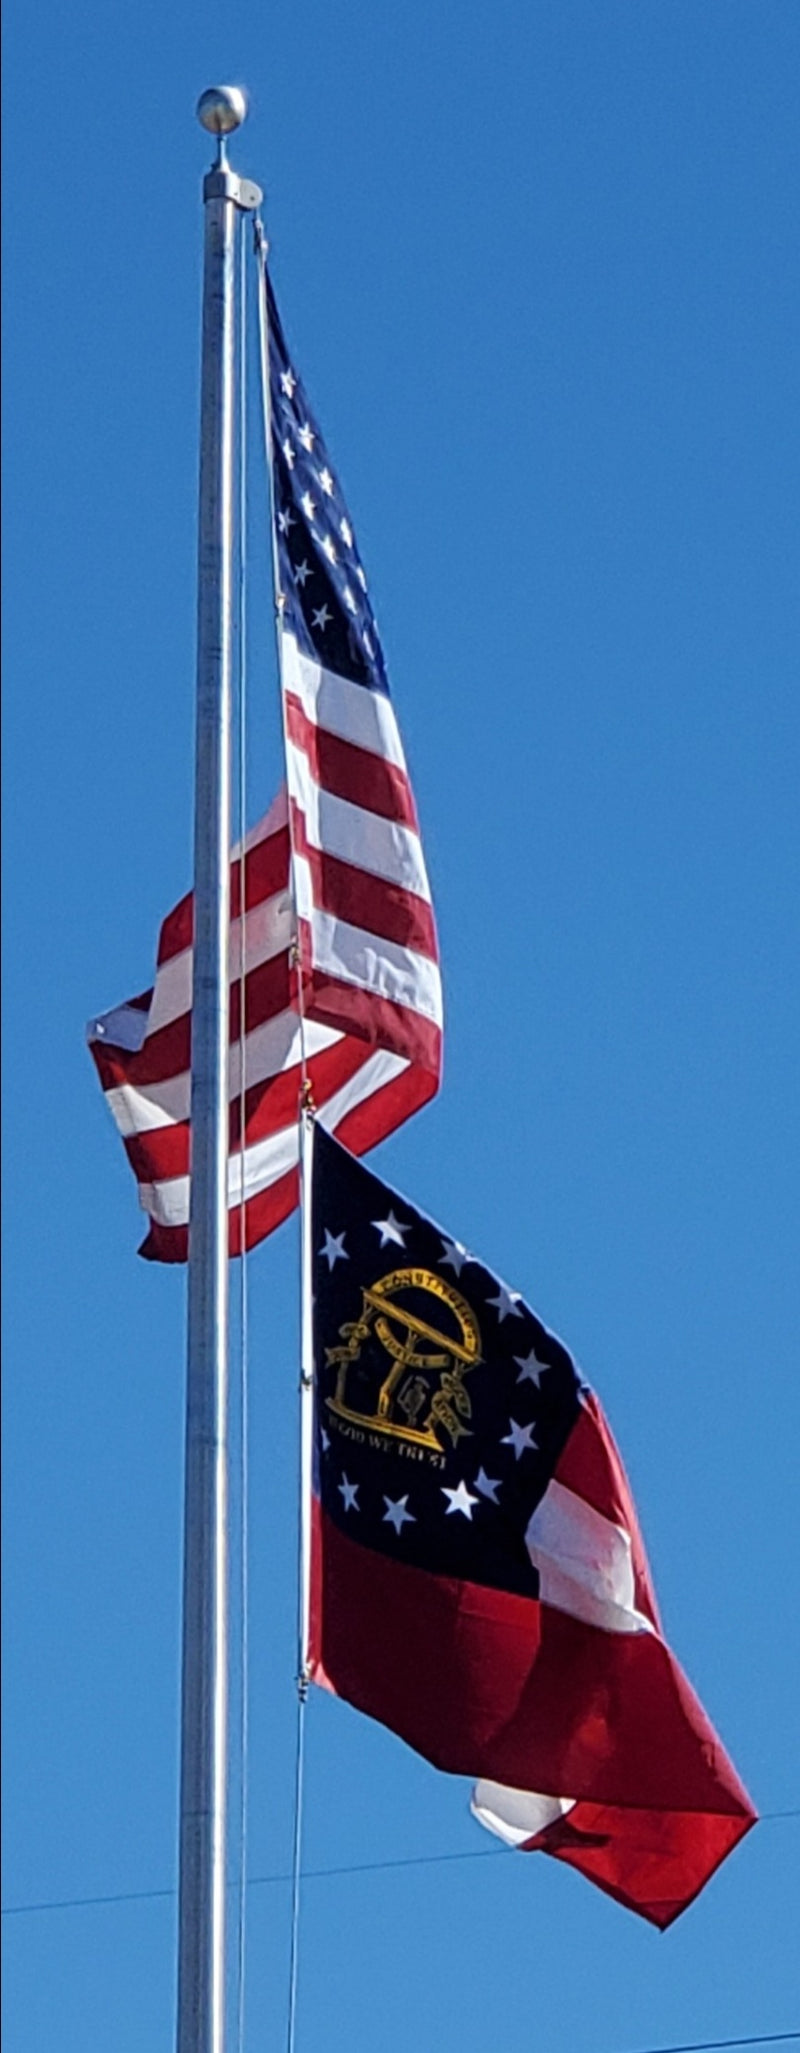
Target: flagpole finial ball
[(222, 109)]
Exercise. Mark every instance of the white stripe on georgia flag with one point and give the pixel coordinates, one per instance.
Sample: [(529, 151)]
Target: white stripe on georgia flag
[(584, 1562), (516, 1814)]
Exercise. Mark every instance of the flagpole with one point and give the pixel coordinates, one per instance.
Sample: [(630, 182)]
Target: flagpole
[(204, 1677)]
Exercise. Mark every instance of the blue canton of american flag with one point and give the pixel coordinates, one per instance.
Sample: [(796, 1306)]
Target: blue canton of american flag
[(366, 937), (324, 600)]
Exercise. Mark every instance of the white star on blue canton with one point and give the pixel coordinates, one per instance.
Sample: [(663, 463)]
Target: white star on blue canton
[(289, 453), (397, 1514), (460, 1500), (288, 382), (488, 1485), (334, 1250), (329, 548), (346, 532), (321, 617), (349, 1492), (306, 436), (361, 578), (308, 506), (521, 1438), (286, 521), (325, 1438), (326, 481), (349, 600), (302, 572), (454, 1254), (506, 1303), (391, 1229), (531, 1370)]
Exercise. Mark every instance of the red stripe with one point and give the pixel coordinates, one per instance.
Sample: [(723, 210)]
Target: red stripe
[(270, 1106), (262, 1214), (366, 901), (166, 1053), (160, 1154), (332, 1002), (655, 1862), (268, 990), (165, 1244), (386, 1109), (363, 1128), (484, 1683), (349, 772), (275, 1103), (110, 1063), (266, 873)]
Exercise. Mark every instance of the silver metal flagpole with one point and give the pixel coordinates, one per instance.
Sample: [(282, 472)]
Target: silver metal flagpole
[(204, 1737)]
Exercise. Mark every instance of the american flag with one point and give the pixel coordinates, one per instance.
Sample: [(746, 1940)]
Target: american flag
[(366, 932), (349, 987)]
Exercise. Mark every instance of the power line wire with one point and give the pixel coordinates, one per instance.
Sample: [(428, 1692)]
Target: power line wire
[(419, 1860), (711, 2045)]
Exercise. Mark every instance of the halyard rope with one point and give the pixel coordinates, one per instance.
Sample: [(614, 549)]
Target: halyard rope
[(304, 1105), (297, 1836)]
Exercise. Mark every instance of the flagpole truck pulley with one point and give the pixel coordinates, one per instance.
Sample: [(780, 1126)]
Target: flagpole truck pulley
[(204, 1676)]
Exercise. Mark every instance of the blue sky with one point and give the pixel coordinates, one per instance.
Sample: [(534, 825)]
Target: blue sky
[(539, 267)]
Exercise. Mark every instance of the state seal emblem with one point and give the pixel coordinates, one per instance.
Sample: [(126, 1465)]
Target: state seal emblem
[(432, 1339)]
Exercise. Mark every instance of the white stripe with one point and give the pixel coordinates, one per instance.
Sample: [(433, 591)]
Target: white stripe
[(269, 1050), (268, 932), (168, 1201), (352, 711), (341, 829), (380, 1069), (304, 890), (372, 964), (516, 1814), (275, 1047), (584, 1562), (139, 1112), (269, 929)]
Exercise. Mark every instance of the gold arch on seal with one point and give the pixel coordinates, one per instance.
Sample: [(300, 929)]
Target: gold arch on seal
[(418, 1350)]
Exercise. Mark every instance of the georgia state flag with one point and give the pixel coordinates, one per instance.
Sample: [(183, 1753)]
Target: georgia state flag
[(478, 1580)]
